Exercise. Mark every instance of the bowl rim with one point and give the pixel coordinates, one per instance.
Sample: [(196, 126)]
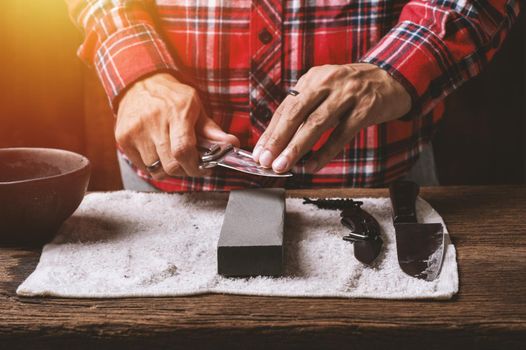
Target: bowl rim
[(87, 164)]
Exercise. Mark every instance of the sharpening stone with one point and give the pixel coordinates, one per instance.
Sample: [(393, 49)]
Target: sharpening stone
[(251, 239)]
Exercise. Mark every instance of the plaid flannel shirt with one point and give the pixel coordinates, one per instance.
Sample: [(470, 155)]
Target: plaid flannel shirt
[(242, 56)]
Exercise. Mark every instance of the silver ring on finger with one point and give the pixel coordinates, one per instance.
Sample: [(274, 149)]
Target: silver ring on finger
[(154, 166), (293, 92)]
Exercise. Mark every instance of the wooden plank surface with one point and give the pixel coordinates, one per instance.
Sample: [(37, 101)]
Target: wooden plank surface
[(487, 225)]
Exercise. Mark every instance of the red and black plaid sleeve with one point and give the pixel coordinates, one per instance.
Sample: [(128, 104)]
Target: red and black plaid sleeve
[(121, 42), (439, 44)]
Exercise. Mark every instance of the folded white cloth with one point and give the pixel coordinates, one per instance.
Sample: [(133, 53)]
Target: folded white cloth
[(127, 244)]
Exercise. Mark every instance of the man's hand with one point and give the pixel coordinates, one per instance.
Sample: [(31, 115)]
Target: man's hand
[(344, 97), (160, 118)]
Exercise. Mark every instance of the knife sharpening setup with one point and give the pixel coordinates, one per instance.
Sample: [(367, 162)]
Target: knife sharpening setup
[(251, 242), (259, 251), (243, 252)]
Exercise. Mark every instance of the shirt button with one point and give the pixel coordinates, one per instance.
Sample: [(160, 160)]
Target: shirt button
[(264, 36), (262, 112)]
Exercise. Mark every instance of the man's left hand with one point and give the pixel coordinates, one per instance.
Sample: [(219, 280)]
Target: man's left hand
[(344, 97)]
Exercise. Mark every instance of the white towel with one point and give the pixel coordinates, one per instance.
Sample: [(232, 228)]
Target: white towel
[(127, 244)]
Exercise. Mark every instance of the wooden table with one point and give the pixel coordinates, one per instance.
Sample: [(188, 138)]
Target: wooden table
[(487, 224)]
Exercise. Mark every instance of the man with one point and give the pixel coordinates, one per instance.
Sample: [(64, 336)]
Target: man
[(343, 93)]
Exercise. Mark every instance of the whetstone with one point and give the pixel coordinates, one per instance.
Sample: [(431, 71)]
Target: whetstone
[(251, 239)]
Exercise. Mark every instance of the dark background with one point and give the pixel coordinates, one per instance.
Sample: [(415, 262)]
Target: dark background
[(49, 99), (482, 139)]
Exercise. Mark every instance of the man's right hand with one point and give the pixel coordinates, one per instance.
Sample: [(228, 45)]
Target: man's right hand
[(160, 118)]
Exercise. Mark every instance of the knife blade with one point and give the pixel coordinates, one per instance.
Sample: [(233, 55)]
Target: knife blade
[(228, 156), (420, 247)]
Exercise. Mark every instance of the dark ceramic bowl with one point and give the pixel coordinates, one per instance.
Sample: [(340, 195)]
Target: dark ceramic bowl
[(39, 189)]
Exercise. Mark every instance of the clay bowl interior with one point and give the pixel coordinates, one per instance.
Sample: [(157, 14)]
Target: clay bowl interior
[(39, 189)]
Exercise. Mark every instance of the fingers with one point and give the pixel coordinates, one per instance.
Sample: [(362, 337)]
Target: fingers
[(302, 142), (170, 166), (179, 159), (288, 121), (325, 117), (340, 137), (141, 154), (293, 132), (258, 148), (135, 157), (145, 155), (176, 149), (156, 121), (209, 130), (183, 148)]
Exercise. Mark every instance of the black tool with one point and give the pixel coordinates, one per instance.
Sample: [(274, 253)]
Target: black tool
[(365, 230)]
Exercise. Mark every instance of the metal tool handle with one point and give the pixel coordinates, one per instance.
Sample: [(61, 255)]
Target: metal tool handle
[(361, 224), (403, 197), (210, 152)]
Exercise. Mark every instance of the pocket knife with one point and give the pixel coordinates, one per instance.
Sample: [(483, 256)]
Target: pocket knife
[(227, 156), (364, 230)]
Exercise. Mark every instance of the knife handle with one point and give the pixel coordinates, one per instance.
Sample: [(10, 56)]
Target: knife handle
[(403, 198), (210, 151)]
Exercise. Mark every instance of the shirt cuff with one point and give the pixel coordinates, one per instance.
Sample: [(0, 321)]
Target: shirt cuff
[(129, 55), (417, 59)]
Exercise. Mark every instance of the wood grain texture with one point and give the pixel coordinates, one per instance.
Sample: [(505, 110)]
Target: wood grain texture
[(487, 224)]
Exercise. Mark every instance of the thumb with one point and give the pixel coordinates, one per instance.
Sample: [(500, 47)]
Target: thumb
[(208, 129)]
